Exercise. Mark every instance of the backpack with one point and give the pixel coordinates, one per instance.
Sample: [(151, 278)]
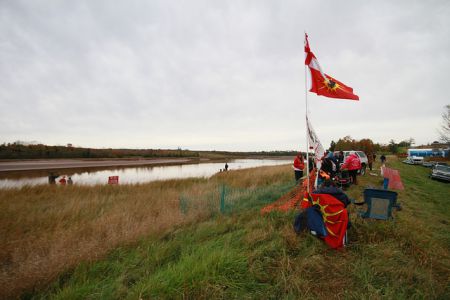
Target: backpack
[(310, 219)]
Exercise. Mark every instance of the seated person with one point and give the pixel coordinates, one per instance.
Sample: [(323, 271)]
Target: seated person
[(328, 168)]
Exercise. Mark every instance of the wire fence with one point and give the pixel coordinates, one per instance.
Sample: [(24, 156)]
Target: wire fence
[(224, 199)]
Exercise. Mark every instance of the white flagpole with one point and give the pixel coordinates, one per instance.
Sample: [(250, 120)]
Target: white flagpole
[(306, 121)]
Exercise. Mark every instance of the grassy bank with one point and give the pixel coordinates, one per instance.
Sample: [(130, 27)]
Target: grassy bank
[(46, 230), (242, 254)]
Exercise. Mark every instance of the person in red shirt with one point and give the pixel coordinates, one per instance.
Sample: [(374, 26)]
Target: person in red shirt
[(352, 163), (299, 165), (63, 180)]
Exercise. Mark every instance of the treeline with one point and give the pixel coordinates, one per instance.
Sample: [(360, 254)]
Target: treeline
[(21, 151), (40, 151), (252, 153), (368, 146)]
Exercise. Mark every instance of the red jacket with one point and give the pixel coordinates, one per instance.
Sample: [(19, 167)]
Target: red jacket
[(299, 163), (352, 162)]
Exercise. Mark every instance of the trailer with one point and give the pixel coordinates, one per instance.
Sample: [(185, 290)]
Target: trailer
[(427, 152)]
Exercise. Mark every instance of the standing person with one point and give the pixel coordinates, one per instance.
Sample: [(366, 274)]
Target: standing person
[(69, 181), (334, 163), (299, 165), (353, 164), (369, 160), (312, 164), (226, 167), (340, 158), (63, 180), (52, 178), (383, 159)]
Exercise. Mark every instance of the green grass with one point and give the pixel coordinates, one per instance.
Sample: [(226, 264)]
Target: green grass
[(243, 255)]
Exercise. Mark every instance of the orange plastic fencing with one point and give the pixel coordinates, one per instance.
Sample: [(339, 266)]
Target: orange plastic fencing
[(293, 199)]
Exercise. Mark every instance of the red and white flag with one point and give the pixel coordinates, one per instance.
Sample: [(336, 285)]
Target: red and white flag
[(315, 144), (323, 84)]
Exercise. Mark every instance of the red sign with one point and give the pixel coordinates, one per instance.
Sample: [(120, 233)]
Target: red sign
[(113, 180)]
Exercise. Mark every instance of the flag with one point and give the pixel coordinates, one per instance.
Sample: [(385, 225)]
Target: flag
[(315, 144), (335, 219), (323, 84)]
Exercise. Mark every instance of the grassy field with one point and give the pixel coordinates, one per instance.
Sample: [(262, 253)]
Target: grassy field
[(131, 242)]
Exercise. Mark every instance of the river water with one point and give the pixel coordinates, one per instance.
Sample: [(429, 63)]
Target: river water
[(131, 175)]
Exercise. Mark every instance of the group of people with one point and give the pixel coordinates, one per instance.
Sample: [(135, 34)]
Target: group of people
[(63, 181), (334, 163)]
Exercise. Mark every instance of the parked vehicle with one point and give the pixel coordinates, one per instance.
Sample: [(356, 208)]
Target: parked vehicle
[(362, 157), (441, 172), (431, 164), (414, 160)]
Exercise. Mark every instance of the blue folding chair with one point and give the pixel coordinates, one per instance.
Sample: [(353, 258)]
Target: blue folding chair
[(380, 203)]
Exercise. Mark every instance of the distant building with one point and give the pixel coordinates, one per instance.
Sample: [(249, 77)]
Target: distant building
[(69, 145)]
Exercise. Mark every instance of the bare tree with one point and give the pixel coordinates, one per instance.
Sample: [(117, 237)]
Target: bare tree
[(444, 131)]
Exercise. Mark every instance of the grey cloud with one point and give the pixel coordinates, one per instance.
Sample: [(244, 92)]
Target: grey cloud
[(218, 74)]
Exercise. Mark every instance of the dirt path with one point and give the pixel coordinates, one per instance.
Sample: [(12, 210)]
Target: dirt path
[(25, 165)]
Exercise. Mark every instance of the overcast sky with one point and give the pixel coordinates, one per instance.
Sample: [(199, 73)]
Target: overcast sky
[(223, 75)]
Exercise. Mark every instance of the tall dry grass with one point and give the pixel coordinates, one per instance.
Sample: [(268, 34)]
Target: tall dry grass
[(46, 230)]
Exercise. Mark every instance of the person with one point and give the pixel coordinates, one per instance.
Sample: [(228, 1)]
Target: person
[(312, 164), (369, 160), (329, 165), (383, 159), (299, 165), (226, 167), (69, 181), (352, 163), (52, 178), (334, 163), (63, 180), (340, 158)]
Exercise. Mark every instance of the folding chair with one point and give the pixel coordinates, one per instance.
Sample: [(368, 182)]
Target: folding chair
[(379, 203)]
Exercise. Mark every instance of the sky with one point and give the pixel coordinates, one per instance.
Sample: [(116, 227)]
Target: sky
[(219, 75)]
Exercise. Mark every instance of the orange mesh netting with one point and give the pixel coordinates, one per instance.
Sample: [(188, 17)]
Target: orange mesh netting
[(293, 198)]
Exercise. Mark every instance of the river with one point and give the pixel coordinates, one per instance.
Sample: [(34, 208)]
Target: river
[(132, 175)]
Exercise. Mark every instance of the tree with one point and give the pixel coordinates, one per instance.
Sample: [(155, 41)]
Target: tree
[(444, 131), (366, 145), (332, 146), (346, 143), (404, 143), (393, 147)]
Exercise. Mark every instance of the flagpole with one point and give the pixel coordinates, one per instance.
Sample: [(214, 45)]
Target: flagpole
[(306, 129)]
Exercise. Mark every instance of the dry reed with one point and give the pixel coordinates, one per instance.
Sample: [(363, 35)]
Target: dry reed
[(46, 230)]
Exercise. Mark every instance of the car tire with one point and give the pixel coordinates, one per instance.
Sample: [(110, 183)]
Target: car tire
[(362, 171)]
